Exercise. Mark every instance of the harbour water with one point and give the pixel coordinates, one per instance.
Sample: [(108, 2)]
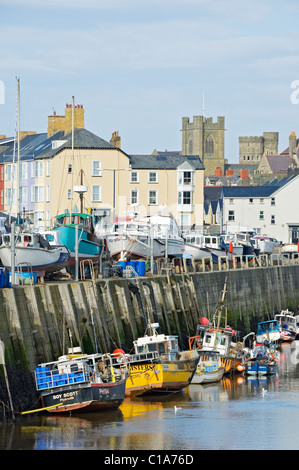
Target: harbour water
[(234, 414)]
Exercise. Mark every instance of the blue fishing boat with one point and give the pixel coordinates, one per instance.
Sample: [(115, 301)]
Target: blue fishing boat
[(89, 245), (263, 360), (81, 383)]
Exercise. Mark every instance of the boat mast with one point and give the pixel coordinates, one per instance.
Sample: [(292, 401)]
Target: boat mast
[(18, 160), (218, 311), (72, 190)]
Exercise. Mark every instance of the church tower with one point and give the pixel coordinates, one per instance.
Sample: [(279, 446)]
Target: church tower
[(205, 138)]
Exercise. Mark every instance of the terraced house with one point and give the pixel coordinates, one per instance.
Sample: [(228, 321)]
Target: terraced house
[(70, 168)]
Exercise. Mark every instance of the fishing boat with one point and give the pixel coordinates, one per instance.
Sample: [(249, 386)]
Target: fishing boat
[(32, 252), (157, 235), (245, 239), (210, 368), (52, 237), (232, 245), (194, 246), (157, 366), (216, 246), (287, 325), (81, 383), (261, 361), (268, 331), (213, 337), (266, 245), (132, 239), (166, 230), (89, 245)]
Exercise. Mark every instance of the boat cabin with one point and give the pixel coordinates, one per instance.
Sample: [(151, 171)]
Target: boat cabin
[(70, 369), (195, 239), (214, 339), (268, 331), (26, 239), (165, 346), (286, 320), (76, 218)]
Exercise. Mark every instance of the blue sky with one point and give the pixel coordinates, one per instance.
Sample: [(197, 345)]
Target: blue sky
[(140, 66)]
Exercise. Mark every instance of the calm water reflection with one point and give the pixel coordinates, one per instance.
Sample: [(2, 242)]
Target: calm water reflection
[(234, 414)]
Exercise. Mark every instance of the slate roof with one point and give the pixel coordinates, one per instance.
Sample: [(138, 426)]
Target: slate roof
[(83, 139), (156, 162), (40, 145), (279, 163), (248, 191)]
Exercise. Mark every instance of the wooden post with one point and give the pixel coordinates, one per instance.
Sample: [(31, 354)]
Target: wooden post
[(2, 361)]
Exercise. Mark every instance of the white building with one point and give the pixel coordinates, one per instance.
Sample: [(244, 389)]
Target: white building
[(270, 209)]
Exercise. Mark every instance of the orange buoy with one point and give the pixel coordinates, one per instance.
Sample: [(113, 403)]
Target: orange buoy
[(118, 352)]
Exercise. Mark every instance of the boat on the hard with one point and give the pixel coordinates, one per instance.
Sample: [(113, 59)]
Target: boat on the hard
[(158, 366), (132, 239), (89, 245), (156, 235), (81, 383), (194, 246), (32, 252)]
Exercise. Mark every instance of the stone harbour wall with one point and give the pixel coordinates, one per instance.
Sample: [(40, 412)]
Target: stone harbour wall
[(39, 323)]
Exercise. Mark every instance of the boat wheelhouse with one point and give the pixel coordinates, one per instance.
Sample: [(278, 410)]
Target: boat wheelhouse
[(158, 366)]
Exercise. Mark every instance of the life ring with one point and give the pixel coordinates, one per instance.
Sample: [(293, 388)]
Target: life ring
[(186, 356)]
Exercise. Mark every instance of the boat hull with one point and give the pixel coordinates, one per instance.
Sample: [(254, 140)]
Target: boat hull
[(39, 259), (84, 397), (149, 378), (137, 248), (259, 368), (134, 248), (89, 247), (201, 377)]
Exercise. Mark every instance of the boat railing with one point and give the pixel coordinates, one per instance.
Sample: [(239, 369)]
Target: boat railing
[(134, 358), (46, 378)]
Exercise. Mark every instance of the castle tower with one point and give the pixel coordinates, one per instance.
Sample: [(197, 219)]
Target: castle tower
[(64, 123), (205, 138), (252, 148)]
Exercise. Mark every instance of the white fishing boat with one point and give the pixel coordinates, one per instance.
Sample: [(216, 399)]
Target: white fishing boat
[(265, 245), (130, 239), (209, 368), (135, 239), (32, 252), (53, 238), (194, 246), (166, 231), (244, 239), (216, 246), (232, 245), (287, 325)]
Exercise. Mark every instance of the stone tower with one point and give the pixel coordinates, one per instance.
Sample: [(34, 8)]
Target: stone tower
[(64, 123), (251, 149), (205, 138)]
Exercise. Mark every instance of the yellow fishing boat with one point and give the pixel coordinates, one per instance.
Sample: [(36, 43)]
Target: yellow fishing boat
[(158, 366)]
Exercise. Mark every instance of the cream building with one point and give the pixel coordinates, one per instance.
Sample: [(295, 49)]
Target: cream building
[(77, 170), (116, 183)]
